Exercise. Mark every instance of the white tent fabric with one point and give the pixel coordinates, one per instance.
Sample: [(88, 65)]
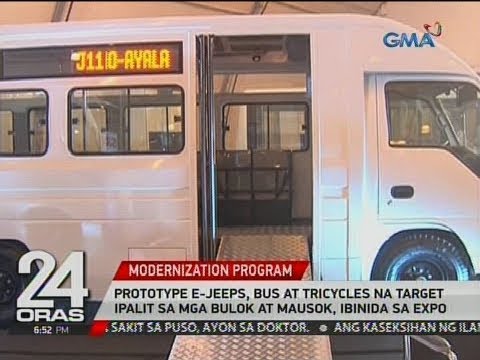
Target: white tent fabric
[(29, 12), (457, 18)]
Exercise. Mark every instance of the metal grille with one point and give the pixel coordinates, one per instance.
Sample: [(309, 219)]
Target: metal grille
[(252, 246), (255, 347)]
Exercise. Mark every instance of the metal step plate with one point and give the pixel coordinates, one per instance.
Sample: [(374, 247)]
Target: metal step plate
[(263, 247), (251, 347), (270, 245)]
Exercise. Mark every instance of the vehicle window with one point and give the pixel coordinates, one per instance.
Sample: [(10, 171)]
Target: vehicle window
[(439, 114), (155, 127), (412, 120), (6, 131), (89, 129), (127, 120), (23, 123), (265, 127), (38, 130), (461, 105)]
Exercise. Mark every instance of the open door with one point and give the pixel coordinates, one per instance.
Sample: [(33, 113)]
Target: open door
[(255, 153), (207, 189)]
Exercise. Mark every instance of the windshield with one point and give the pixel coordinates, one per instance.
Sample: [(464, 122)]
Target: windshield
[(434, 114)]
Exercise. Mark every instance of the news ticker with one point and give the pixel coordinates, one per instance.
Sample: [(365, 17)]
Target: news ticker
[(253, 327), (238, 297)]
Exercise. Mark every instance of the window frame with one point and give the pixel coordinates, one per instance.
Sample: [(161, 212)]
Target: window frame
[(27, 113), (272, 103), (126, 88)]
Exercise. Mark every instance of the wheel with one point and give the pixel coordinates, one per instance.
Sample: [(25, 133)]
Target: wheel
[(423, 255), (11, 285)]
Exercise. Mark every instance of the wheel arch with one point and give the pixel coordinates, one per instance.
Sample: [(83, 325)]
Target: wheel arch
[(397, 236), (10, 251), (13, 244)]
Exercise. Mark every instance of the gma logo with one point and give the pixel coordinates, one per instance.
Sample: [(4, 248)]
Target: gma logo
[(393, 39)]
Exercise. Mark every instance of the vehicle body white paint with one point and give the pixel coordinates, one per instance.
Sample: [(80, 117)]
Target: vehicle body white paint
[(112, 207)]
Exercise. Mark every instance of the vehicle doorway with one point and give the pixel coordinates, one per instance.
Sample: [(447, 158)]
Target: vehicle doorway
[(255, 158)]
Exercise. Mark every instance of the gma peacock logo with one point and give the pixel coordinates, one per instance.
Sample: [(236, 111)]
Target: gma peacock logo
[(393, 39)]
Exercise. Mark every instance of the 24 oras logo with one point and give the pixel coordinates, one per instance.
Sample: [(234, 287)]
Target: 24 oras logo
[(47, 284), (393, 39)]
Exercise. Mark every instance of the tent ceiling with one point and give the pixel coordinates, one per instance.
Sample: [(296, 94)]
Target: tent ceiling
[(458, 19), (33, 12)]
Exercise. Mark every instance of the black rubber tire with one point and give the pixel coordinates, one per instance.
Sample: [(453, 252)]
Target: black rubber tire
[(8, 263), (423, 255)]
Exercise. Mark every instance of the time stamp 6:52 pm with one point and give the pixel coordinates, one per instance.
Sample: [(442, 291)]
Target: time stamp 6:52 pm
[(51, 330)]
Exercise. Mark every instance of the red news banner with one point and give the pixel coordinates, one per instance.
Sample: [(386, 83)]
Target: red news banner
[(202, 271), (212, 270), (267, 297)]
